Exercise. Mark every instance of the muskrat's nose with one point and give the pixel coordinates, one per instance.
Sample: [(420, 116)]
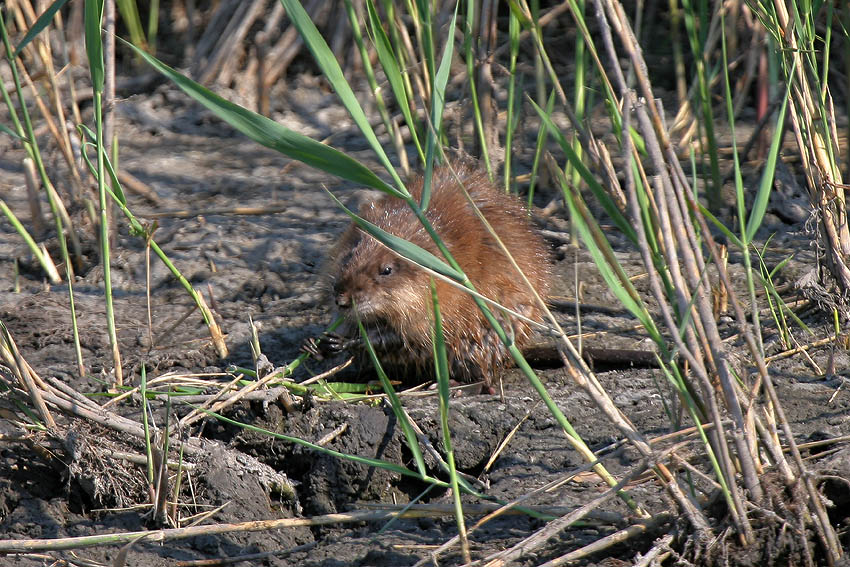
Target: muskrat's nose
[(343, 299), (341, 295)]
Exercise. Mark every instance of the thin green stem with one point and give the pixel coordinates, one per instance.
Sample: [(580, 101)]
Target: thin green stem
[(102, 193), (33, 150), (469, 55)]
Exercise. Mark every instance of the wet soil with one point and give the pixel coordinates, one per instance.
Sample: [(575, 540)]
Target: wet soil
[(266, 268)]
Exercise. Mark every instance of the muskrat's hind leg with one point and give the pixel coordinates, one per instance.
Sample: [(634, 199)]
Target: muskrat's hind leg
[(487, 386), (479, 376)]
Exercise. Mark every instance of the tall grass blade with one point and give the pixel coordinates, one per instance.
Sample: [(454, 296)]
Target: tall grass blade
[(469, 42), (60, 216), (422, 20), (512, 107), (333, 73), (143, 388), (438, 103), (759, 206), (42, 22), (587, 176), (43, 260), (94, 45), (153, 24), (389, 64), (696, 24), (539, 148), (130, 14), (610, 270), (441, 369), (94, 51), (731, 236), (404, 248), (6, 130), (580, 91), (271, 134), (369, 72), (395, 403)]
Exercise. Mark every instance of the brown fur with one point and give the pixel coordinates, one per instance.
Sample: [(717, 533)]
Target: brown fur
[(395, 307)]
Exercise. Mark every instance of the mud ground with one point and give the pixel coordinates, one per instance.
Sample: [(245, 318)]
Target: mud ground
[(268, 267)]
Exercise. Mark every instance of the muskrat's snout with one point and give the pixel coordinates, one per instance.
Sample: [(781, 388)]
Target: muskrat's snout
[(343, 300), (342, 296)]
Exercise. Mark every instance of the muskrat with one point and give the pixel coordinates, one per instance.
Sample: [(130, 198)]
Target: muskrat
[(392, 297)]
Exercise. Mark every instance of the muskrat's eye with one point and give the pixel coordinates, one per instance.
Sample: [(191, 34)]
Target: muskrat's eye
[(386, 270)]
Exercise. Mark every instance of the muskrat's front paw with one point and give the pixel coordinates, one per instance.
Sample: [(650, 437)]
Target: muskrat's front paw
[(327, 345), (335, 343)]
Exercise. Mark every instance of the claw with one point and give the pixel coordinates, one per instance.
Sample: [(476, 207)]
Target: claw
[(339, 343), (328, 344), (311, 347)]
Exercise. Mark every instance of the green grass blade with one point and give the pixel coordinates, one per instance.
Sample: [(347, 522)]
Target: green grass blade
[(118, 192), (130, 14), (143, 387), (389, 64), (442, 78), (441, 365), (441, 369), (722, 227), (369, 72), (468, 42), (395, 403), (6, 130), (598, 191), (94, 45), (46, 265), (766, 184), (333, 73), (512, 107), (603, 256), (422, 17), (367, 461), (94, 50), (42, 22), (696, 24), (438, 103), (404, 248), (610, 270), (271, 134), (153, 24), (767, 282), (538, 149)]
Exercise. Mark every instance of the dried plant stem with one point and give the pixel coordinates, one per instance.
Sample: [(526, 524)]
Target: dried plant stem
[(26, 377), (619, 537), (554, 527), (60, 215), (659, 146), (42, 47), (814, 128), (36, 216), (156, 536)]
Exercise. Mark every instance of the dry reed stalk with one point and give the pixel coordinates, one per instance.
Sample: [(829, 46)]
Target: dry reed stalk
[(678, 200), (25, 375)]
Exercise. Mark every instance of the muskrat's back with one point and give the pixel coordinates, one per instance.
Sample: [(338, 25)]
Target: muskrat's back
[(392, 296)]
